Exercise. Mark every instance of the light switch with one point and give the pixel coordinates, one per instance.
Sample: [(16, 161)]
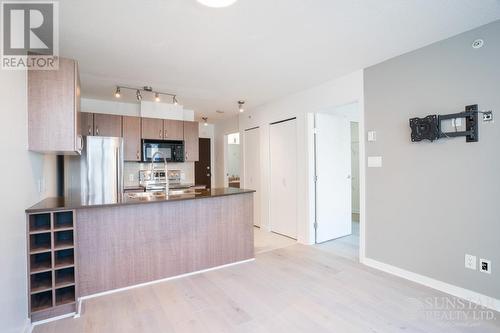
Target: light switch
[(372, 136), (374, 161)]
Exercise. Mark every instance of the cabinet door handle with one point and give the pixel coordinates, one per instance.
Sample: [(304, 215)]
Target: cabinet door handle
[(97, 131), (138, 155), (160, 134), (90, 130)]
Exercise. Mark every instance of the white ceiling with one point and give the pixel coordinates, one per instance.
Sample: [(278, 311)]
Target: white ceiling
[(256, 50)]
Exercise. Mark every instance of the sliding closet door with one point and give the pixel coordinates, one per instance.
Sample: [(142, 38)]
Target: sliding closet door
[(283, 178), (252, 169)]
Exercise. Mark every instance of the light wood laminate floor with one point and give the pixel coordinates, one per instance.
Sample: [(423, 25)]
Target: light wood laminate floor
[(297, 288)]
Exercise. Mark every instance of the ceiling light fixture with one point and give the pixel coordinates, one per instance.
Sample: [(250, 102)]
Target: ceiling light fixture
[(205, 119), (240, 106), (478, 43), (217, 3), (147, 90)]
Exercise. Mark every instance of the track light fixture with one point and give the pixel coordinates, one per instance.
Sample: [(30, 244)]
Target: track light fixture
[(148, 90), (205, 119), (240, 106)]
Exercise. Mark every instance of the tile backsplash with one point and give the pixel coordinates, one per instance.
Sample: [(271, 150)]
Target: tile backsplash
[(131, 171)]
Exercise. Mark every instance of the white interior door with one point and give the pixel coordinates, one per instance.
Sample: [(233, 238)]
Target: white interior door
[(252, 169), (283, 180), (333, 169)]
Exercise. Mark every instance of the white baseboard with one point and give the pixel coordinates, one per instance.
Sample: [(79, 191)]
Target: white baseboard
[(469, 295), (159, 281), (27, 326), (48, 320)]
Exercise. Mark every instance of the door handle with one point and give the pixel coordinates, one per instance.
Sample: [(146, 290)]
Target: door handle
[(97, 131)]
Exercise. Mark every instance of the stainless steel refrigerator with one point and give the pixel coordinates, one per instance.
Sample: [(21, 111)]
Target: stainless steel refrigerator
[(96, 176)]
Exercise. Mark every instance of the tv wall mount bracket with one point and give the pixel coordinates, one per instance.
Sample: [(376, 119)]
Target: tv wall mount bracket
[(430, 127)]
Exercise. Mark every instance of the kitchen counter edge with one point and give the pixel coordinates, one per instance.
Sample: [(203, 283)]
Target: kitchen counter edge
[(62, 204)]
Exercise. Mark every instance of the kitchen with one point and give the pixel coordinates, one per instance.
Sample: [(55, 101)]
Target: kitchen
[(129, 192)]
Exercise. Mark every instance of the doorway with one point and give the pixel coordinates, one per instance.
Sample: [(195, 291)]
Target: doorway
[(232, 161), (252, 169), (202, 169), (337, 180)]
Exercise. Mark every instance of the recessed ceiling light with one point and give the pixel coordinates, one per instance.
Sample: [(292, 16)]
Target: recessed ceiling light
[(219, 111), (217, 3), (477, 44)]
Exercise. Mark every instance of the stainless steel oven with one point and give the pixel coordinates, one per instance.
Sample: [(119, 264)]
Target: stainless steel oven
[(173, 151)]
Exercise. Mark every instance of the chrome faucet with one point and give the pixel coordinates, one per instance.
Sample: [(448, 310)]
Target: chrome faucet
[(152, 167)]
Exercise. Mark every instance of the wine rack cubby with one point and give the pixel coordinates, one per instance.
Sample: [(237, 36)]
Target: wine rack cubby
[(51, 264)]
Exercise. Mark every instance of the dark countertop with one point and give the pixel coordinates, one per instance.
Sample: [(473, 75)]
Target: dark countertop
[(60, 203)]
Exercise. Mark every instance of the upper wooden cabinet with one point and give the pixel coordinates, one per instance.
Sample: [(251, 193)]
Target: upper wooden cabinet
[(87, 123), (53, 109), (191, 141), (107, 125), (152, 128), (132, 138), (173, 130)]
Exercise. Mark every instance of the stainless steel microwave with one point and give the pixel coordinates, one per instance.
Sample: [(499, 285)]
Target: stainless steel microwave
[(173, 151)]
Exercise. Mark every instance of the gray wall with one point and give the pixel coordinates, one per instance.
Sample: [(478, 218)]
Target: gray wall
[(431, 203)]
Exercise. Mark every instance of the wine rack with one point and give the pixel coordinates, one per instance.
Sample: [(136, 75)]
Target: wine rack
[(51, 264)]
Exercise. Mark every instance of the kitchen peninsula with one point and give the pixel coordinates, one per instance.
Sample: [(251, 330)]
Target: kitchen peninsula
[(135, 240)]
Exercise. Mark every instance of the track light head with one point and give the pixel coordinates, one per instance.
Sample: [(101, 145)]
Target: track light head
[(205, 119), (157, 97), (117, 93), (138, 95), (240, 106), (176, 102)]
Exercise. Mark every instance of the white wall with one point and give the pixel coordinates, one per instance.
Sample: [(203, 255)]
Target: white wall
[(342, 91), (143, 109), (21, 171)]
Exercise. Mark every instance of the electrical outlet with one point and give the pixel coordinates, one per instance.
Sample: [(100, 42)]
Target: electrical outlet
[(372, 136), (485, 266), (470, 261), (487, 116)]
